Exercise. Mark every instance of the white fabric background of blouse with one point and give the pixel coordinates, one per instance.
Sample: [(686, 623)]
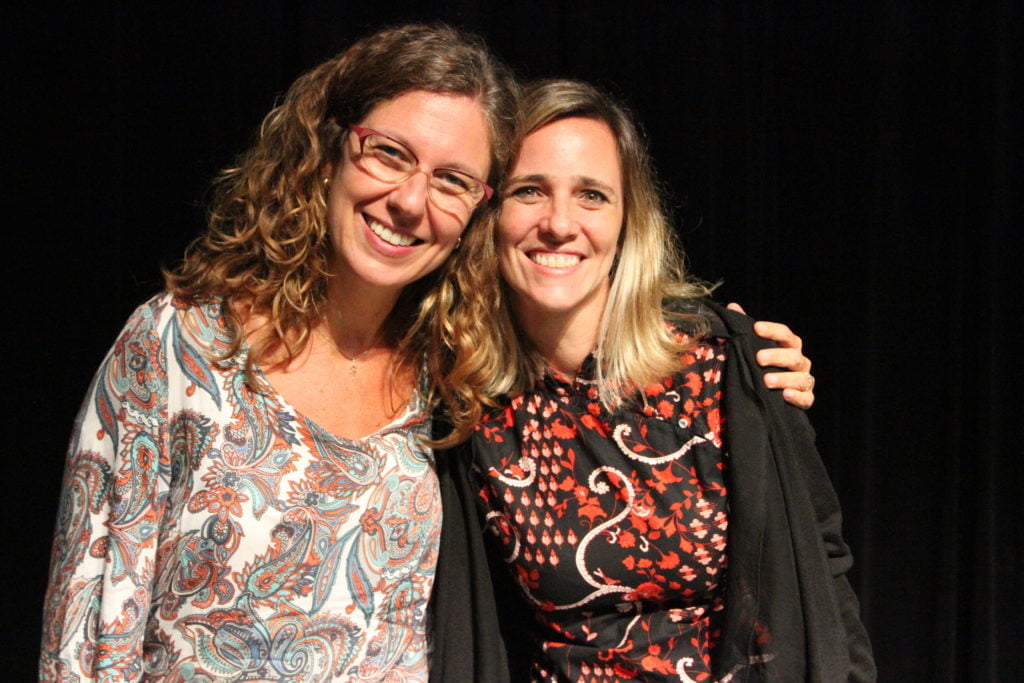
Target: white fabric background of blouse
[(210, 532)]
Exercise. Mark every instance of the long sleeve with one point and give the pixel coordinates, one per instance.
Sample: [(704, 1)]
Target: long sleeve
[(208, 531), (798, 438), (102, 566), (788, 562)]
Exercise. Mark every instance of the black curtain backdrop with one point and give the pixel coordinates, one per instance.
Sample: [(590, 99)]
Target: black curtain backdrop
[(851, 169)]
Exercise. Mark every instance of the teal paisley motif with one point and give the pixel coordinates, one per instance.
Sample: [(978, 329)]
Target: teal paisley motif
[(199, 573), (133, 514), (397, 525), (191, 439), (191, 361), (209, 532), (276, 575)]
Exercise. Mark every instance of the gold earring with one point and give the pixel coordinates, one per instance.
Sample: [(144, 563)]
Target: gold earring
[(327, 182)]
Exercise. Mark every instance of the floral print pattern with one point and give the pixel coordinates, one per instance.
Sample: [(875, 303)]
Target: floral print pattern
[(613, 524), (210, 532)]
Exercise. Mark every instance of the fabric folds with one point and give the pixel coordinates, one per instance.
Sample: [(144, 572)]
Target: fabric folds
[(790, 612)]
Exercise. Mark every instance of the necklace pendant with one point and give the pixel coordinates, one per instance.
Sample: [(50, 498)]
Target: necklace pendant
[(352, 369)]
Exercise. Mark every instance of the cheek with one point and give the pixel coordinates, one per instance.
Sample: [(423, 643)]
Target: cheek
[(342, 196), (613, 234), (505, 248), (453, 229), (504, 261), (507, 253), (445, 235), (510, 230), (516, 281)]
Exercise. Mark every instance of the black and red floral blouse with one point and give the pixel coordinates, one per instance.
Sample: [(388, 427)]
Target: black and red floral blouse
[(613, 524)]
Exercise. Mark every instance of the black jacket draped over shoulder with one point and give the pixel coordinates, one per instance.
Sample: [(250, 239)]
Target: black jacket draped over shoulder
[(790, 614)]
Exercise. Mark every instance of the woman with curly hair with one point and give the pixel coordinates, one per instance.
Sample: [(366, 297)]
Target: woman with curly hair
[(249, 491), (652, 512)]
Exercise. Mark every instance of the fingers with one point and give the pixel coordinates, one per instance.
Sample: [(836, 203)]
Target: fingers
[(797, 387), (801, 399), (797, 382), (736, 307), (775, 331), (779, 333), (790, 359)]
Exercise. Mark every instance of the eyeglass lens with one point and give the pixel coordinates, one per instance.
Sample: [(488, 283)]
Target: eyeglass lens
[(392, 162)]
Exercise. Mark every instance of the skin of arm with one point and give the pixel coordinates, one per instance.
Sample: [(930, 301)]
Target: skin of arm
[(797, 384)]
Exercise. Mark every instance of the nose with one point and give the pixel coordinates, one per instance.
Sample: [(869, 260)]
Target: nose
[(559, 223), (408, 200)]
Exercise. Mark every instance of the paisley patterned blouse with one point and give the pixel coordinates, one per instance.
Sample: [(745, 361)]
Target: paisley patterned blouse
[(210, 532), (614, 525)]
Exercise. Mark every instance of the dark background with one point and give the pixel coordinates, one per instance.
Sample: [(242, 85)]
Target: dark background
[(851, 169)]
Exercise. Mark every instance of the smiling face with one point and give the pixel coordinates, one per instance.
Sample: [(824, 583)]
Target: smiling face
[(386, 236), (561, 217)]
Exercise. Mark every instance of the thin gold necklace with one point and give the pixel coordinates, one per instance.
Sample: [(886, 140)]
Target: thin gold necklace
[(354, 367)]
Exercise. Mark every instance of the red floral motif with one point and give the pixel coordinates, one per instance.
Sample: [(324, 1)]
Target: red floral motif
[(221, 501), (616, 530)]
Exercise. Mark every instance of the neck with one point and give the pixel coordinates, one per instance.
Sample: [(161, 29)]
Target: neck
[(356, 313), (563, 340)]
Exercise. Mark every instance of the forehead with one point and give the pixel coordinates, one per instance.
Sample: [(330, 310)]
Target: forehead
[(572, 147), (442, 129)]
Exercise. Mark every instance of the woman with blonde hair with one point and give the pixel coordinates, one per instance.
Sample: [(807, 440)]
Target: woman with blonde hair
[(651, 510)]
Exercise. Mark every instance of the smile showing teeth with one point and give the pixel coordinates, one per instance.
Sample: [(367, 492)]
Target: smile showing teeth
[(549, 260), (390, 236)]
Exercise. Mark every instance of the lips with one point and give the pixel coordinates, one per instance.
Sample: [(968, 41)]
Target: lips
[(554, 259), (388, 235)]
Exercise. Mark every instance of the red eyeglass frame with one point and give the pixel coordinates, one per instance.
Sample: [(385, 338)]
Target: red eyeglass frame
[(363, 133)]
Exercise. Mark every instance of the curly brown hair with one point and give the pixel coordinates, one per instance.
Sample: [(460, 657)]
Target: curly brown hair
[(266, 248)]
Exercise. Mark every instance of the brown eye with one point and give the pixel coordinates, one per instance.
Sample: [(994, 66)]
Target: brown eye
[(525, 193), (451, 182), (390, 154)]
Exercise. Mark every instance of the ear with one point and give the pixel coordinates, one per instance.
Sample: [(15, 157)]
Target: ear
[(327, 172)]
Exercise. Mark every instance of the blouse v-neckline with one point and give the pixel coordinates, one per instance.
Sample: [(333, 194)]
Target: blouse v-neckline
[(413, 408)]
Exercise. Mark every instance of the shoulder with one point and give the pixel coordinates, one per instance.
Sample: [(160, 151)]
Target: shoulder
[(687, 315), (146, 320), (200, 323), (165, 329)]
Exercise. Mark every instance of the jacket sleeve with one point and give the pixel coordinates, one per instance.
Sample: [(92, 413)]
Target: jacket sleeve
[(831, 604), (838, 556), (101, 569), (792, 434)]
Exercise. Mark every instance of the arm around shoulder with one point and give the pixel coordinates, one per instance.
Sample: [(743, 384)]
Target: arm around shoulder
[(806, 553)]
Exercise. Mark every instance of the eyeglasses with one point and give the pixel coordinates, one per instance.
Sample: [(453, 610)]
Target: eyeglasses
[(389, 161)]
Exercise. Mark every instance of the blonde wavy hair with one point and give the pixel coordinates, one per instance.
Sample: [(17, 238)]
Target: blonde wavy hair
[(490, 355), (266, 247)]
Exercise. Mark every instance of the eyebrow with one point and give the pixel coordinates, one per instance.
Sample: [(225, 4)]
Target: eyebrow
[(531, 178), (594, 182), (462, 168)]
